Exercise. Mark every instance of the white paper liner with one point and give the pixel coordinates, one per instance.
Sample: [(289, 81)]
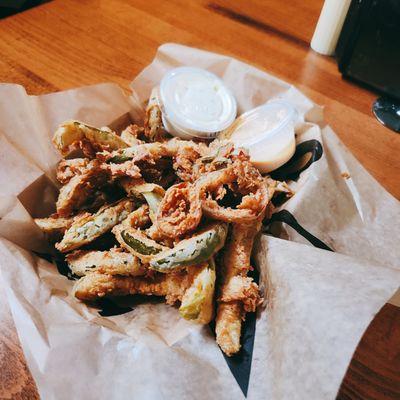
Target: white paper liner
[(318, 303)]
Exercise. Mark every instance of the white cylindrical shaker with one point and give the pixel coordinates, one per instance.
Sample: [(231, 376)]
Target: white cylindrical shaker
[(329, 26)]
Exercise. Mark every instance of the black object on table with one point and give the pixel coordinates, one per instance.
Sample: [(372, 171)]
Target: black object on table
[(368, 52), (10, 7)]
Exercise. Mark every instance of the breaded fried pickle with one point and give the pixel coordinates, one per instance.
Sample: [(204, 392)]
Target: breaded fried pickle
[(95, 285), (198, 301), (113, 262), (137, 243), (90, 227), (54, 225), (70, 133), (238, 294)]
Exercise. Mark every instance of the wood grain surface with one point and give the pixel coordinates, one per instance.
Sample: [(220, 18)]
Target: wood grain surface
[(64, 44)]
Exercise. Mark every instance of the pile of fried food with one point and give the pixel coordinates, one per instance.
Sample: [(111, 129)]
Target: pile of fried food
[(184, 215)]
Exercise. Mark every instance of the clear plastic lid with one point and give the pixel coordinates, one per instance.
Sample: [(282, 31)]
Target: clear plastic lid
[(262, 123), (196, 102), (267, 132)]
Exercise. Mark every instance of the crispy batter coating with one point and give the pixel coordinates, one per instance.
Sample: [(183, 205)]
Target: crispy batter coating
[(54, 225), (113, 262), (228, 327), (172, 187), (238, 251), (235, 287), (179, 211), (243, 289), (185, 161), (219, 155), (90, 227), (154, 162), (153, 151), (131, 135), (95, 285), (153, 126), (137, 243), (138, 219), (72, 133), (242, 178), (67, 169), (127, 168), (76, 192)]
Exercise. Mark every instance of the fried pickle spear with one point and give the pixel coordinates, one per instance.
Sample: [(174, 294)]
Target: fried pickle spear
[(192, 251), (70, 133), (113, 262), (153, 151), (172, 286), (91, 226), (238, 293)]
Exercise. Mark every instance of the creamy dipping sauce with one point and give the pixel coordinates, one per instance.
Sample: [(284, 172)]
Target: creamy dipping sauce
[(267, 132), (195, 103)]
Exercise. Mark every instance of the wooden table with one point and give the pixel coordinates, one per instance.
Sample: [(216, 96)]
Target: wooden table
[(64, 44)]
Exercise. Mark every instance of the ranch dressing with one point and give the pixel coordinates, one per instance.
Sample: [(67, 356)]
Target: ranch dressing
[(195, 103), (267, 132)]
